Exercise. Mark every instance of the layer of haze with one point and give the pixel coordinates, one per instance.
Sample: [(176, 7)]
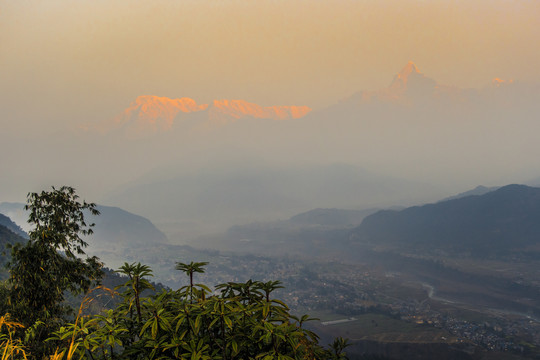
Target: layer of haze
[(65, 61), (64, 64)]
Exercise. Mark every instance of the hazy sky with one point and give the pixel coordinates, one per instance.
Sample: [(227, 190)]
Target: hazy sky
[(75, 61), (64, 63)]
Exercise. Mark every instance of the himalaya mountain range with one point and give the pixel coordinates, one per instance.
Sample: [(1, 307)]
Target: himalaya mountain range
[(196, 168), (150, 114)]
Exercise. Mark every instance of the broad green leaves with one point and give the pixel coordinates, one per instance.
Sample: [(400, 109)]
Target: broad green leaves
[(48, 266), (239, 323)]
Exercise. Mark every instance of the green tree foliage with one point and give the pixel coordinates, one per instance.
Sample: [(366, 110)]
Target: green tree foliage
[(135, 286), (7, 239), (190, 269), (11, 347), (45, 267), (238, 322)]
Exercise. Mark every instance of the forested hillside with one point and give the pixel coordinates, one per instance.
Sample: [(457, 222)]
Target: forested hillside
[(236, 320), (496, 223), (7, 237), (8, 223)]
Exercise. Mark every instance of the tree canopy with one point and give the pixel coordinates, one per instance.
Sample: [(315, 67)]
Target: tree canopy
[(48, 265), (234, 321)]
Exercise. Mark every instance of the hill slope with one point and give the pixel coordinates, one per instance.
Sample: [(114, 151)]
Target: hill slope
[(8, 223), (7, 237), (116, 230), (507, 219)]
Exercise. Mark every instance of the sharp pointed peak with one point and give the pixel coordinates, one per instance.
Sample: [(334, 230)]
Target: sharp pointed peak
[(408, 72), (408, 69)]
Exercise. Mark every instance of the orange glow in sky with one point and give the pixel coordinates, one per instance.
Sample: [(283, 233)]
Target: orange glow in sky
[(97, 56)]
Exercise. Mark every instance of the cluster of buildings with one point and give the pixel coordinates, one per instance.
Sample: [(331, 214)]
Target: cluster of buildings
[(351, 291)]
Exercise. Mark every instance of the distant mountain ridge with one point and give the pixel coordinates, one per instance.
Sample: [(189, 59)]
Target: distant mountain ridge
[(154, 114), (411, 87), (114, 232), (151, 114), (221, 197), (331, 217), (13, 227), (479, 190), (414, 128), (507, 219)]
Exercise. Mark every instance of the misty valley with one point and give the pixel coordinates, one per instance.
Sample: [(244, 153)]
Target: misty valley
[(269, 180), (456, 279), (350, 213)]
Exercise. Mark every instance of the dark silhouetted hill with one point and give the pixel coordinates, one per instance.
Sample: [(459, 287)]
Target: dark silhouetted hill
[(507, 219), (115, 229), (331, 217), (7, 237), (6, 221), (119, 228), (479, 190)]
